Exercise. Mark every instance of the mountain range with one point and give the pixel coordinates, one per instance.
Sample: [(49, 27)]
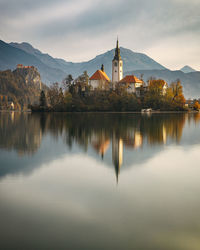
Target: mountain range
[(54, 69)]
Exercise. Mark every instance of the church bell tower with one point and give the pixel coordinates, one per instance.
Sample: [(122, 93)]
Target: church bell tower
[(117, 65)]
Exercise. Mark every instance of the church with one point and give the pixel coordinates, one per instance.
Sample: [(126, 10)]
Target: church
[(99, 80)]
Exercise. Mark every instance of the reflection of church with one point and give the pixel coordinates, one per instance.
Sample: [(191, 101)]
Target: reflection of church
[(117, 154), (101, 144)]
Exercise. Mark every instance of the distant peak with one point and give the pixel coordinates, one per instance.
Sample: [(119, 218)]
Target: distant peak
[(22, 43), (187, 69), (27, 47)]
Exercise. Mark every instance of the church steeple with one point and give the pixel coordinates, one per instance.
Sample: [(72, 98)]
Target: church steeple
[(117, 65), (117, 52)]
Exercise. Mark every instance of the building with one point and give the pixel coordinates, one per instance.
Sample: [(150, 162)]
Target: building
[(99, 80), (132, 84), (21, 66), (117, 65)]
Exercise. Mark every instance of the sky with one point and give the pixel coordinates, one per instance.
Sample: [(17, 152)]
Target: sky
[(78, 30)]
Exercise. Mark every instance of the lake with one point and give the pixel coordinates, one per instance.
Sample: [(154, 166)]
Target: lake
[(99, 181)]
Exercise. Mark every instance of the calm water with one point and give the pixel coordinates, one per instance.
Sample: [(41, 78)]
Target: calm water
[(99, 181)]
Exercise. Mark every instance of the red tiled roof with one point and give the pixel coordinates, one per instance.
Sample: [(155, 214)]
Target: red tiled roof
[(131, 79), (100, 75)]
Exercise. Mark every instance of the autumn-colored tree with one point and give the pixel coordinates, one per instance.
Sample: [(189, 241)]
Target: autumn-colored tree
[(196, 105), (154, 97), (176, 88), (177, 94), (156, 86)]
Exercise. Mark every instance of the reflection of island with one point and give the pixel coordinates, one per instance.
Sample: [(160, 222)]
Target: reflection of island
[(149, 130), (121, 133), (21, 132)]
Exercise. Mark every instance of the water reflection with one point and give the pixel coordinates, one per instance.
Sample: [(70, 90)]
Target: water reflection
[(58, 176), (112, 134), (20, 132)]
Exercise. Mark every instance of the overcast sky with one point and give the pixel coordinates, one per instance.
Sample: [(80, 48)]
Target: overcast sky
[(78, 30)]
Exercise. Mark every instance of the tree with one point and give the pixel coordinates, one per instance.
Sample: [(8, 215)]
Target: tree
[(42, 99), (196, 105), (156, 86), (177, 94), (68, 100), (67, 82), (60, 97), (177, 88), (53, 94), (153, 98)]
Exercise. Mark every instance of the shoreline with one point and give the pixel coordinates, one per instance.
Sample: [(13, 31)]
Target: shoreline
[(102, 112)]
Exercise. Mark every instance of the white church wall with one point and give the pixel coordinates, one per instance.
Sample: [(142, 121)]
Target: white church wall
[(117, 71), (94, 84), (131, 88)]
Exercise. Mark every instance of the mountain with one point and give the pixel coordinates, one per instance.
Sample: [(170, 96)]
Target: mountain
[(190, 81), (187, 69), (131, 61), (44, 58), (11, 56)]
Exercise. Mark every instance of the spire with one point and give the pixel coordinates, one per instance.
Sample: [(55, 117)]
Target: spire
[(117, 46), (117, 154), (102, 67), (117, 52), (117, 171)]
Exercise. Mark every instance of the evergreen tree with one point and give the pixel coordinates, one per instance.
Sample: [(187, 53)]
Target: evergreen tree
[(42, 99)]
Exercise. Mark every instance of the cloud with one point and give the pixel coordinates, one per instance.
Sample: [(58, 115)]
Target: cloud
[(80, 29)]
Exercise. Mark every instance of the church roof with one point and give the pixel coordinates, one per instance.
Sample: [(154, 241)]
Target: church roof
[(131, 79), (100, 75)]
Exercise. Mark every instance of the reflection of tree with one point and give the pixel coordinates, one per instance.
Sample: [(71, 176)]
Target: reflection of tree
[(21, 132), (158, 128), (196, 117)]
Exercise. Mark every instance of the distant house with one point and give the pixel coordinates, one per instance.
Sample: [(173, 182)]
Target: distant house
[(99, 80), (21, 66), (132, 84)]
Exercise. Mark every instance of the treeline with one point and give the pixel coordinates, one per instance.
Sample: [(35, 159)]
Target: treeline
[(75, 96)]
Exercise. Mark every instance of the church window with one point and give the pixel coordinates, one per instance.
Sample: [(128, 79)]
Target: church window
[(115, 63)]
